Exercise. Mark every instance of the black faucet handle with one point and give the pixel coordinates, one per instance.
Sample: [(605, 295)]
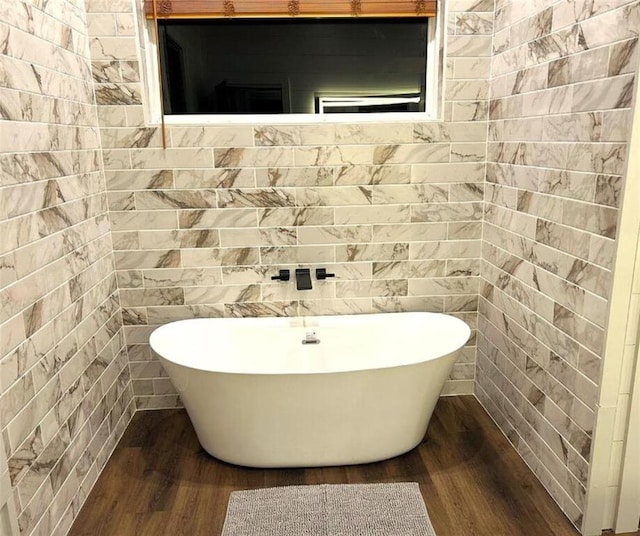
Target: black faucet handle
[(321, 273), (283, 275)]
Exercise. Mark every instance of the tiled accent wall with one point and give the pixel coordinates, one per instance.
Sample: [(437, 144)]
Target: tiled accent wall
[(561, 91), (393, 209), (65, 389)]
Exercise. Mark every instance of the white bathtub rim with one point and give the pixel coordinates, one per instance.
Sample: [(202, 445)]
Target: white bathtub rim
[(297, 322)]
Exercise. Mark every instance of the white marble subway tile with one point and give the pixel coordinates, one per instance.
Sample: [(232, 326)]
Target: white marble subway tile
[(372, 289), (611, 93), (277, 292), (447, 132), (365, 175), (196, 238), (471, 68), (411, 153), (277, 236), (613, 25), (372, 252), (245, 275), (464, 230), (410, 232), (312, 254), (601, 251), (233, 136), (221, 294), (372, 214), (288, 217), (334, 155), (298, 177), (336, 196), (616, 125), (468, 45), (596, 219), (270, 309), (373, 134), (445, 213), (295, 135), (396, 304), (335, 234), (214, 178), (259, 197), (210, 257), (180, 277), (456, 249), (623, 57), (171, 158), (455, 172), (408, 269), (410, 194), (335, 306), (469, 111), (252, 157), (217, 218), (443, 286)]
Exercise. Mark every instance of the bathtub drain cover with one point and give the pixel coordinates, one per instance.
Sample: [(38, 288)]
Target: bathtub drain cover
[(329, 510)]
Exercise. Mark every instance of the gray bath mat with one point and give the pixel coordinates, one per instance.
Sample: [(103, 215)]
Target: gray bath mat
[(329, 510)]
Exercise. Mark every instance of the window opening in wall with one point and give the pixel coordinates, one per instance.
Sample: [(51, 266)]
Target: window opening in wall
[(294, 66)]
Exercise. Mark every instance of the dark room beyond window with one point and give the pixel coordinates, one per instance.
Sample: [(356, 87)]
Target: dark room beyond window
[(267, 66)]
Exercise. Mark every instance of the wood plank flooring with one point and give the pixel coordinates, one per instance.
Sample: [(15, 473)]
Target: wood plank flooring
[(159, 481)]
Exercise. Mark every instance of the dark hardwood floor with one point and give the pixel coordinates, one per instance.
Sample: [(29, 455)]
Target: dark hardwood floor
[(160, 482)]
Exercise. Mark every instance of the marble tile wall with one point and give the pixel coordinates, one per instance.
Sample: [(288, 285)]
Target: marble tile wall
[(562, 82), (393, 209), (65, 389)]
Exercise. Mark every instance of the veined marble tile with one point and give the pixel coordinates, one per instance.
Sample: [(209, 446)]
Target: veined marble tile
[(293, 217), (336, 196), (214, 178), (372, 214), (372, 175), (312, 254), (411, 153), (252, 157), (181, 277), (217, 218), (299, 177), (267, 197), (279, 236), (295, 135), (459, 249), (408, 269), (164, 258), (410, 232), (335, 234), (375, 134), (235, 136), (372, 289), (205, 257), (221, 294), (334, 155), (198, 238), (454, 172), (372, 252)]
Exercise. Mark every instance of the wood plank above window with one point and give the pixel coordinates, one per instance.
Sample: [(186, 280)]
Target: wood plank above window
[(210, 9)]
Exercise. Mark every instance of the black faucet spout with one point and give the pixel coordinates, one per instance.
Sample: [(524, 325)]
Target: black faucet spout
[(303, 279)]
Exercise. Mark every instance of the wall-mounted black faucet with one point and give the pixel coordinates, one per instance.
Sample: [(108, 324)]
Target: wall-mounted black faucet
[(283, 275), (303, 278), (321, 274)]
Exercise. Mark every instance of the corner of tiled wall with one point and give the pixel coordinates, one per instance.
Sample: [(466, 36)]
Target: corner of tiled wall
[(561, 92), (65, 389)]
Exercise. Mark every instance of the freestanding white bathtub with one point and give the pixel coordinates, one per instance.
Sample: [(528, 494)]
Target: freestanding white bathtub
[(260, 397)]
